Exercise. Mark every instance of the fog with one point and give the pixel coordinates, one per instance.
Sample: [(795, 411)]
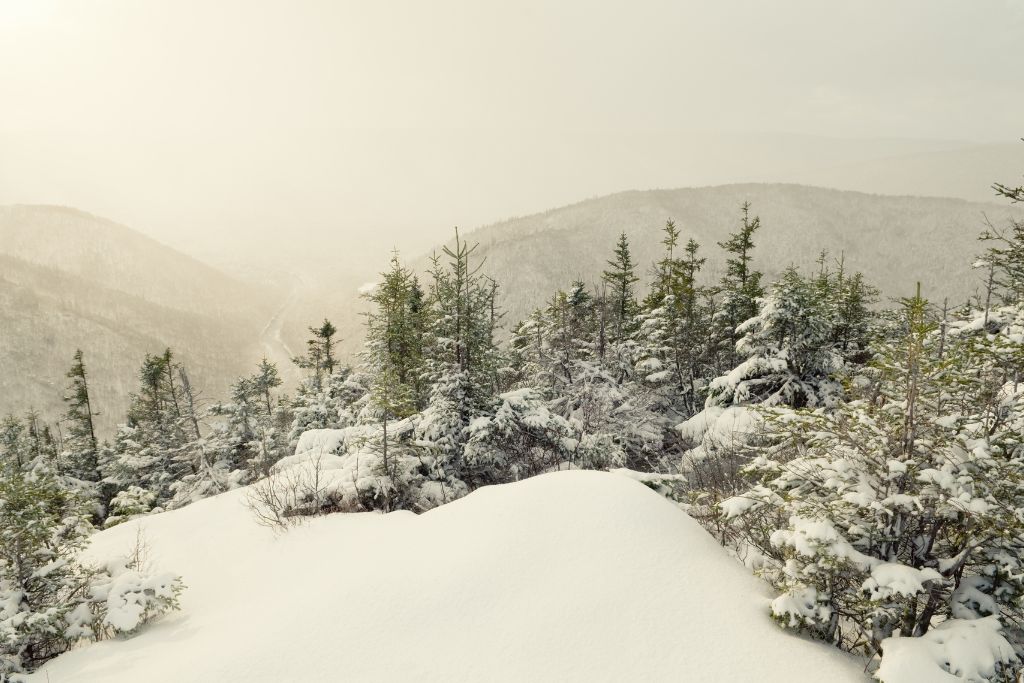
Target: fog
[(252, 130)]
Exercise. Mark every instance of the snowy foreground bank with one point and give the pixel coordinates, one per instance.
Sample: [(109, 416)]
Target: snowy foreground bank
[(579, 576)]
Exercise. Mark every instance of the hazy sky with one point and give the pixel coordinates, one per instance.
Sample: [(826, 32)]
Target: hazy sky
[(216, 124)]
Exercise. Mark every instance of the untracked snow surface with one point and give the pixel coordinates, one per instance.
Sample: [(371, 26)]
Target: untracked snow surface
[(571, 576)]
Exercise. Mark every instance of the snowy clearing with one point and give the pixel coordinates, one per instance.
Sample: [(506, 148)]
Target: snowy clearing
[(571, 576)]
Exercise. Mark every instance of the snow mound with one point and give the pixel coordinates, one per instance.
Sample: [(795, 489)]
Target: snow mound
[(955, 651), (322, 442), (569, 576), (716, 427)]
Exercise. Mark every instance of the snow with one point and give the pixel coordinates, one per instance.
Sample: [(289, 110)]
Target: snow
[(128, 594), (890, 578), (955, 651), (815, 537), (321, 441), (569, 576), (716, 427)]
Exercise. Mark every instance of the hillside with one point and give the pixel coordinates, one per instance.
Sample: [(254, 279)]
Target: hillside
[(573, 576), (896, 241), (71, 280)]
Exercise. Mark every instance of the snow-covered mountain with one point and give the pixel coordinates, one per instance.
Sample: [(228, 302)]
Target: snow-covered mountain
[(72, 280), (895, 241), (571, 576)]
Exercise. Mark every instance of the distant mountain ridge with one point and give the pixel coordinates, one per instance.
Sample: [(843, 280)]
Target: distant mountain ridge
[(115, 256), (70, 280), (895, 241)]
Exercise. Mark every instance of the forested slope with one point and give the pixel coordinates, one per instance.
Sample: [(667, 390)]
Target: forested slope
[(895, 241), (70, 280)]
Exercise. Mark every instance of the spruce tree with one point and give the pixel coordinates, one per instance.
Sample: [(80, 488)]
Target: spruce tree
[(461, 360), (674, 333), (1004, 261), (786, 351), (740, 288), (42, 527), (14, 448), (264, 382), (161, 442), (81, 453), (319, 358), (901, 509), (393, 354), (395, 333), (570, 333), (620, 278), (324, 336), (249, 435)]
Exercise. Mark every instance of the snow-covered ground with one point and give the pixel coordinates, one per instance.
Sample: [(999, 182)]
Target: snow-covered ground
[(571, 576)]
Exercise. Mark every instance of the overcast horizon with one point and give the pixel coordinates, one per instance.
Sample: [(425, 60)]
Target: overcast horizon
[(223, 128)]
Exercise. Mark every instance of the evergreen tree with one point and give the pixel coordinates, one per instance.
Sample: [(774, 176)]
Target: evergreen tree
[(902, 508), (28, 444), (14, 447), (787, 350), (620, 278), (336, 405), (81, 452), (741, 287), (42, 527), (48, 599), (674, 335), (395, 336), (1003, 260), (251, 436), (393, 355), (319, 358), (161, 442), (569, 333), (461, 360), (265, 381), (853, 318)]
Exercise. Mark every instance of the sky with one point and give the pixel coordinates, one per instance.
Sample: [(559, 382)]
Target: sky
[(237, 127)]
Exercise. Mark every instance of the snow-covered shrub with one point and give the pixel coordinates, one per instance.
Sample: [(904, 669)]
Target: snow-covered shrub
[(619, 422), (295, 488), (345, 470), (48, 598), (718, 444), (522, 438), (955, 651), (789, 351), (128, 504), (129, 599), (441, 426), (332, 406), (209, 480), (42, 529), (902, 508)]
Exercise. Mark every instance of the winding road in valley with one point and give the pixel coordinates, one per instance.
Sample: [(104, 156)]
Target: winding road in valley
[(275, 348)]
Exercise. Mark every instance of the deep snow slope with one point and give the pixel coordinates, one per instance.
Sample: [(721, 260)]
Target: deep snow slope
[(572, 576)]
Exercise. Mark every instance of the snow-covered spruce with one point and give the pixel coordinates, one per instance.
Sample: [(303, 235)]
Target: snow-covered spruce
[(49, 598), (902, 509)]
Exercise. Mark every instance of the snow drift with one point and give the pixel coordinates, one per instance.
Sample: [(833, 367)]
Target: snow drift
[(575, 575)]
